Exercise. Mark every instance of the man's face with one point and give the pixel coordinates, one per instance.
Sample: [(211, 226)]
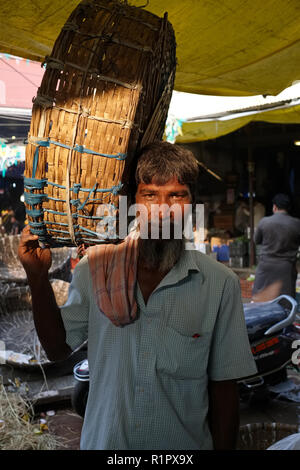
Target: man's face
[(163, 205)]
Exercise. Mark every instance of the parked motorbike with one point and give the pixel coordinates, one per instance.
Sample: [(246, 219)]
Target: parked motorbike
[(272, 328), (81, 388)]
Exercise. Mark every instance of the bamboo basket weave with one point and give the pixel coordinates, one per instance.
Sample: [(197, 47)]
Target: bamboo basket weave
[(104, 94), (260, 436)]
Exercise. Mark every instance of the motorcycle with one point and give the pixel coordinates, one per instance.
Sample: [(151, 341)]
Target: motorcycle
[(272, 329)]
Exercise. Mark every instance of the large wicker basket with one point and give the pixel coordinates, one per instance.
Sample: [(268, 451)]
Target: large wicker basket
[(260, 436), (105, 93)]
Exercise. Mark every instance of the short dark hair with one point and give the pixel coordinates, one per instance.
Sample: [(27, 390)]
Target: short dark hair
[(282, 201), (159, 162)]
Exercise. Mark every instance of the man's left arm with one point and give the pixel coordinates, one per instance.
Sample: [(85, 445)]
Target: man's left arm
[(223, 413)]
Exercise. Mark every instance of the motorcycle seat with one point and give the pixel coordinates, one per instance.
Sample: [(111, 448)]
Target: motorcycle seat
[(261, 316)]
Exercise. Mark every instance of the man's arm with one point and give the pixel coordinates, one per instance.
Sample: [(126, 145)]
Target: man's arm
[(224, 414), (47, 317)]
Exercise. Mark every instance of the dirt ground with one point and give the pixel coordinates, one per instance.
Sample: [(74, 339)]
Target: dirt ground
[(66, 425)]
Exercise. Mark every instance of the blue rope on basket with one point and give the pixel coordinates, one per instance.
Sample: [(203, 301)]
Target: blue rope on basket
[(38, 227), (77, 148)]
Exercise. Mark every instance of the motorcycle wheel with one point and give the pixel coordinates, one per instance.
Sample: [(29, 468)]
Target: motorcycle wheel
[(79, 397)]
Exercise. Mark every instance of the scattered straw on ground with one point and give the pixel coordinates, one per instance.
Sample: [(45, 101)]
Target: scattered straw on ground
[(18, 430)]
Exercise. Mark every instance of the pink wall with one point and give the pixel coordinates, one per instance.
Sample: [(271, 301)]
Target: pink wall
[(19, 80)]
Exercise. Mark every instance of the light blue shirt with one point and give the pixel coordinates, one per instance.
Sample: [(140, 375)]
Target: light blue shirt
[(148, 380)]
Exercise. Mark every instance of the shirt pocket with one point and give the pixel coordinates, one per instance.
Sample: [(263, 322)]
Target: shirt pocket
[(181, 356)]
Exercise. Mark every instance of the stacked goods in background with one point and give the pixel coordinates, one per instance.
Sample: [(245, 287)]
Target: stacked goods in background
[(238, 254), (246, 287), (220, 246), (104, 94)]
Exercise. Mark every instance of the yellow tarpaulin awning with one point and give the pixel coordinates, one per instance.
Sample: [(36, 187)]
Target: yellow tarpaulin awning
[(228, 47), (206, 130)]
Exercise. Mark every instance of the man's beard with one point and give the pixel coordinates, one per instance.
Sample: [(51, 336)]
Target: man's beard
[(159, 254)]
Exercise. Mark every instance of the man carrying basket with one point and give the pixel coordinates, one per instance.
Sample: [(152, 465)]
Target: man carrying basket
[(165, 326)]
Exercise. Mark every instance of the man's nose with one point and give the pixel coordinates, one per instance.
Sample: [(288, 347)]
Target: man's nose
[(163, 209)]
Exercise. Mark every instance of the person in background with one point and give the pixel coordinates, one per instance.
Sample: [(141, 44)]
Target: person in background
[(242, 215), (7, 219), (279, 238), (165, 326), (15, 225), (259, 211), (2, 228)]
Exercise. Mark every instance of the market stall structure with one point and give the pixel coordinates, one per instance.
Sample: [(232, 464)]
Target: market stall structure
[(260, 56)]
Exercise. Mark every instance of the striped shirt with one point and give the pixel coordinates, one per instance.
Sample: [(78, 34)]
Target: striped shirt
[(148, 379)]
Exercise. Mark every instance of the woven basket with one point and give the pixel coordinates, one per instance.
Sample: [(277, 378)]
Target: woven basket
[(17, 329), (12, 271), (105, 93), (14, 297), (260, 436)]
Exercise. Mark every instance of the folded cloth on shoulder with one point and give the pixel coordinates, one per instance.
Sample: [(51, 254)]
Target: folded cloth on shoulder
[(114, 270)]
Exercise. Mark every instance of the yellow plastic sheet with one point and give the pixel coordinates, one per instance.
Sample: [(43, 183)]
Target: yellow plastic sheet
[(206, 130), (199, 131), (228, 47)]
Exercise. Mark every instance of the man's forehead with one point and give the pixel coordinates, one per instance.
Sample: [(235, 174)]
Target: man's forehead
[(155, 183)]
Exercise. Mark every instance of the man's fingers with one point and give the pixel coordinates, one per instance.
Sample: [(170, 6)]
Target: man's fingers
[(28, 241), (27, 235), (26, 230)]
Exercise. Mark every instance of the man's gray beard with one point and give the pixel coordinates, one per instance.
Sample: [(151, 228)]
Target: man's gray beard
[(161, 254)]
